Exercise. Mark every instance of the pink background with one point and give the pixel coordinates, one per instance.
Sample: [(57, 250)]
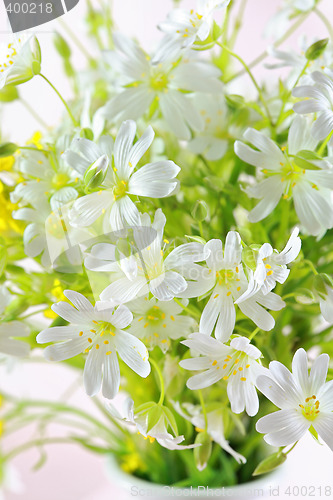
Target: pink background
[(70, 472)]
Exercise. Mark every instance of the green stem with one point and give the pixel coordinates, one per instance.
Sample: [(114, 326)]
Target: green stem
[(160, 376), (254, 333), (324, 144), (284, 223), (310, 264), (193, 313), (36, 442), (204, 411), (325, 20), (293, 446), (264, 54), (289, 93), (75, 122), (28, 148), (254, 81), (76, 40), (34, 114), (238, 23)]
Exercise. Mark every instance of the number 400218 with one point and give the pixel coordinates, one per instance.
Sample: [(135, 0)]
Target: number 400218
[(29, 8)]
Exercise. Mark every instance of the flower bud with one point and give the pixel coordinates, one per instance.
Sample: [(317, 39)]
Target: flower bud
[(7, 149), (95, 174), (320, 283), (61, 46), (9, 94), (202, 453), (200, 211), (316, 49)]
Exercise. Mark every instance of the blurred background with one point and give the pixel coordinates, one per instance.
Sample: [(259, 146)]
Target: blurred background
[(71, 472)]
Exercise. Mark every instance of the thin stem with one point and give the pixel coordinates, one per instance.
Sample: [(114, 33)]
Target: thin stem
[(238, 23), (160, 376), (254, 333), (325, 20), (293, 446), (289, 93), (204, 411), (76, 40), (264, 54), (324, 144), (34, 114), (36, 442), (28, 148), (76, 124), (194, 313), (311, 266), (254, 81)]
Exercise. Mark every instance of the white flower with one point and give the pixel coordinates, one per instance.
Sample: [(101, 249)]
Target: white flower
[(34, 237), (215, 427), (9, 344), (237, 364), (43, 178), (310, 189), (157, 322), (98, 331), (140, 422), (185, 27), (271, 266), (318, 99), (225, 281), (20, 60), (212, 142), (112, 201), (305, 400), (166, 85), (147, 269)]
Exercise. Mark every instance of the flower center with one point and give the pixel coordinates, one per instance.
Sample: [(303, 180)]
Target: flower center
[(233, 366), (8, 58), (59, 180), (159, 81), (310, 408), (226, 276), (120, 190), (102, 333)]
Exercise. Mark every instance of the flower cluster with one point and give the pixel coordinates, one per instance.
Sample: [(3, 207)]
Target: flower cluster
[(145, 249)]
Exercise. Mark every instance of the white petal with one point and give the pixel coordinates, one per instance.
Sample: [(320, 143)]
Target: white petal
[(122, 147), (133, 352), (324, 426), (111, 376), (124, 290), (205, 379), (79, 301), (154, 180), (92, 374)]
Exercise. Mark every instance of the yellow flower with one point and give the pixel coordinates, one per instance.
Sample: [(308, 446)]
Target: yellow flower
[(35, 140), (7, 163), (58, 294), (7, 223), (132, 463)]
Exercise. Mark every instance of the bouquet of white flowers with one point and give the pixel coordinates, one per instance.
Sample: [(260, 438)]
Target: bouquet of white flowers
[(181, 242)]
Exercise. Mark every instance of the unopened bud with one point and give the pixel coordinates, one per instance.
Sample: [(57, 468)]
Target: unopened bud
[(321, 282), (200, 211), (95, 174), (316, 49), (202, 453)]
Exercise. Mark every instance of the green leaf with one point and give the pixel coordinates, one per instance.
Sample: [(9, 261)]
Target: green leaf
[(171, 420), (270, 463), (154, 415), (198, 239), (316, 49), (8, 149)]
